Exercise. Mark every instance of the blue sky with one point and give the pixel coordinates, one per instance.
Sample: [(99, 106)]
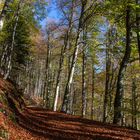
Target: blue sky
[(52, 13)]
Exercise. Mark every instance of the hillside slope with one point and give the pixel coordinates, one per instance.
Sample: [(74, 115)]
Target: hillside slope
[(18, 122)]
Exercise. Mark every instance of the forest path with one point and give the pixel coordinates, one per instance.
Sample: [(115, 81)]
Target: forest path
[(60, 126)]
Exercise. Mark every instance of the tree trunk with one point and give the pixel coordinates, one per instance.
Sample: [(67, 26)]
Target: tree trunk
[(106, 96), (93, 90), (65, 105), (66, 100), (123, 66), (63, 51), (134, 104), (46, 83), (108, 76), (11, 49), (138, 27), (3, 13), (84, 100)]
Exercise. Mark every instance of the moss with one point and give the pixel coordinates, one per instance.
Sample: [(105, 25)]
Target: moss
[(4, 134), (3, 100), (12, 118)]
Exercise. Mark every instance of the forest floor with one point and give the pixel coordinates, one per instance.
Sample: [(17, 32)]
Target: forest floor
[(40, 124), (47, 125), (34, 123)]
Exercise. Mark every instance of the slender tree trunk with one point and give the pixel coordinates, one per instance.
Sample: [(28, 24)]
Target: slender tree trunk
[(123, 118), (138, 27), (112, 86), (46, 84), (48, 88), (106, 96), (84, 100), (30, 79), (65, 105), (9, 65), (3, 60), (134, 104), (74, 100), (58, 78), (63, 51), (123, 66), (37, 78), (66, 100), (93, 90)]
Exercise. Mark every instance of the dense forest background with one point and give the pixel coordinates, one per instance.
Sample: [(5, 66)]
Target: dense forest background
[(86, 62)]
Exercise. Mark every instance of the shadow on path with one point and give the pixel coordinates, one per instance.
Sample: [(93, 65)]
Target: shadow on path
[(60, 126)]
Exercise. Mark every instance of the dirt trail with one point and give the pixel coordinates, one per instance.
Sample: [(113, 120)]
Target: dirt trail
[(40, 124), (59, 126)]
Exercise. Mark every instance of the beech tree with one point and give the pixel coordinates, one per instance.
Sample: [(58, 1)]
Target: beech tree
[(63, 50), (82, 61)]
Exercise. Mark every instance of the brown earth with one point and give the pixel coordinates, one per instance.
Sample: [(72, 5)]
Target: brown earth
[(34, 123), (60, 126)]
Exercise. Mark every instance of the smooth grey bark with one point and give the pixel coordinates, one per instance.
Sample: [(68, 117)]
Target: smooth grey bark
[(93, 89), (37, 78), (46, 89), (65, 105), (106, 95), (84, 98), (63, 51), (58, 78), (134, 104), (74, 100), (123, 66), (66, 100)]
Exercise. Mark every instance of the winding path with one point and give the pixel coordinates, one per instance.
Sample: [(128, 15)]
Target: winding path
[(59, 126)]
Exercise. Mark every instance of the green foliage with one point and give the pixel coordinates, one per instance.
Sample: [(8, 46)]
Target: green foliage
[(40, 9), (27, 24)]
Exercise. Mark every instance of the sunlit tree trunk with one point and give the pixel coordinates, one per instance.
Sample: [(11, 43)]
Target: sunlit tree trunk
[(84, 100), (66, 100), (65, 105), (63, 51)]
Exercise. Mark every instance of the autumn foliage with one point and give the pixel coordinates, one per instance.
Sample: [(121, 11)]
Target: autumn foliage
[(41, 124)]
